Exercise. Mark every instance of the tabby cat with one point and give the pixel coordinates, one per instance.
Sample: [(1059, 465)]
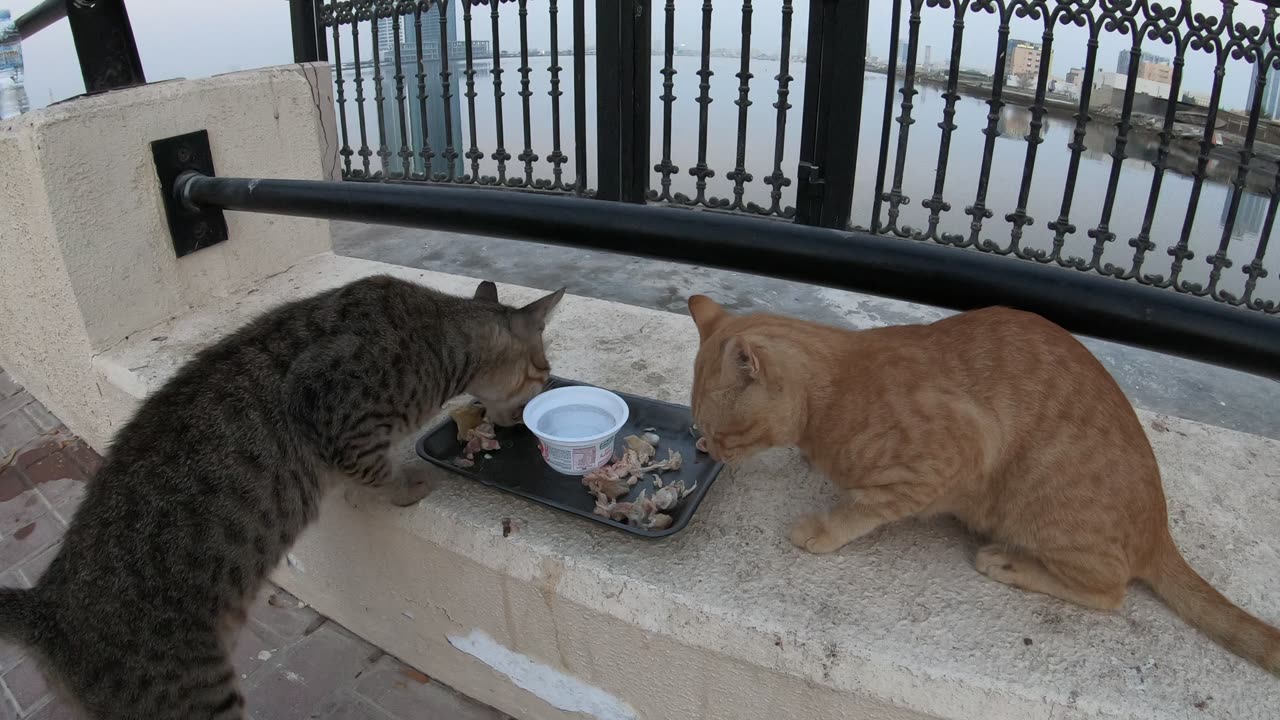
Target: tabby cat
[(995, 416), (206, 488)]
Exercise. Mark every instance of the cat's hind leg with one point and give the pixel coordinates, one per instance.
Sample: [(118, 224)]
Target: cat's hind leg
[(1094, 581)]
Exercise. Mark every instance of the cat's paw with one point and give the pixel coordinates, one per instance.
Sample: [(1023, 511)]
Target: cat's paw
[(997, 564), (411, 486), (812, 533)]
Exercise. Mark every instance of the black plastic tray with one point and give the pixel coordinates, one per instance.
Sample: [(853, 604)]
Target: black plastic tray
[(519, 468)]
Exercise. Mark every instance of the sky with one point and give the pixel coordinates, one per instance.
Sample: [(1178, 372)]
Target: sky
[(196, 38)]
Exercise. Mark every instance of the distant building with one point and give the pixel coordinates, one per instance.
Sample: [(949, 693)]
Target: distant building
[(1022, 60), (10, 46), (1122, 62), (1249, 215), (1270, 94)]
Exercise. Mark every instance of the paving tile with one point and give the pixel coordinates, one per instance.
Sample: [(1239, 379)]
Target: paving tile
[(41, 417), (20, 510), (86, 457), (16, 431), (407, 694), (255, 648), (15, 402), (346, 706), (28, 541), (26, 685), (308, 674), (56, 710), (35, 566), (7, 385), (283, 614)]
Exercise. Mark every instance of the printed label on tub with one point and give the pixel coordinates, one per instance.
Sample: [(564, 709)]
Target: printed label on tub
[(577, 460)]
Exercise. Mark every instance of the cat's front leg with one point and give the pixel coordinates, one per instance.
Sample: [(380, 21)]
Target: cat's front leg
[(861, 510)]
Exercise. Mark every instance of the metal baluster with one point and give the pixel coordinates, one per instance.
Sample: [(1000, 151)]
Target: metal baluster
[(701, 171), (341, 14), (556, 158), (1255, 269), (473, 154), (777, 180), (580, 96), (895, 196), (379, 98), (425, 154), (979, 211), (936, 204), (1181, 252), (363, 11), (500, 154), (1019, 217), (666, 168), (889, 82), (740, 176), (1062, 226), (1219, 260), (1102, 234), (1142, 244), (526, 156), (450, 153), (406, 151)]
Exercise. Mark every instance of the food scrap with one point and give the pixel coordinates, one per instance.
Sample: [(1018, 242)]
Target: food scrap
[(613, 481), (476, 431), (467, 418)]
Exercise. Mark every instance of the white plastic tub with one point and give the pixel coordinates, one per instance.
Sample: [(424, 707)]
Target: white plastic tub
[(576, 426)]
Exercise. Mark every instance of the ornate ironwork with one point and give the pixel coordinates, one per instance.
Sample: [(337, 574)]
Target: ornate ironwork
[(1075, 235)]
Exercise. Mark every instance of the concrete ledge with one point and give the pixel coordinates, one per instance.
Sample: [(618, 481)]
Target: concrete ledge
[(726, 619)]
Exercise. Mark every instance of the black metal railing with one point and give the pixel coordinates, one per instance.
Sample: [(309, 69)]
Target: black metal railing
[(1150, 236), (1119, 174), (103, 38), (414, 170), (428, 116)]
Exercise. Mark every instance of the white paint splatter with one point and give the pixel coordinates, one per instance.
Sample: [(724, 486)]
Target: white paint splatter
[(561, 691), (407, 614), (264, 655), (293, 677)]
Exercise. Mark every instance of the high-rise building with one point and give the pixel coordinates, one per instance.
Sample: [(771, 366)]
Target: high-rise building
[(1022, 59), (1270, 93), (428, 130), (1150, 67)]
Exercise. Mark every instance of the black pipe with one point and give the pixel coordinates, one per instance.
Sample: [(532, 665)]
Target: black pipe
[(40, 17), (1125, 312)]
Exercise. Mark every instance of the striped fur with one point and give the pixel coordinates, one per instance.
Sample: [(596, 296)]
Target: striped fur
[(208, 486)]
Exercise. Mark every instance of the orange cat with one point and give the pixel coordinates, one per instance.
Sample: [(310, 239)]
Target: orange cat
[(997, 417)]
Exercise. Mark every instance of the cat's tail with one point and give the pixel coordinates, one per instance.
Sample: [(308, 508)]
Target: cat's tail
[(18, 611), (1192, 597)]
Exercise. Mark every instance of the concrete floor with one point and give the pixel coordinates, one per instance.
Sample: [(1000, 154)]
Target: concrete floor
[(1156, 382)]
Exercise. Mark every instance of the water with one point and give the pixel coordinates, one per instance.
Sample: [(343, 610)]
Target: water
[(918, 170), (575, 421)]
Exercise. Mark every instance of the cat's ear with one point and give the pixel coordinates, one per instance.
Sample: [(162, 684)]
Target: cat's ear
[(744, 357), (707, 315), (487, 291), (537, 311)]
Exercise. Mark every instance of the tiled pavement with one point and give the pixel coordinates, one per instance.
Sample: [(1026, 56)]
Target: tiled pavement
[(293, 663)]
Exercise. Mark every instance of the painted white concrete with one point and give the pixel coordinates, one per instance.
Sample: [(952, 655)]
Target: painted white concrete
[(726, 619), (85, 254)]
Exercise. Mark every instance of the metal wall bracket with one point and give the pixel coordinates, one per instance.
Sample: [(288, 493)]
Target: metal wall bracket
[(191, 228)]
